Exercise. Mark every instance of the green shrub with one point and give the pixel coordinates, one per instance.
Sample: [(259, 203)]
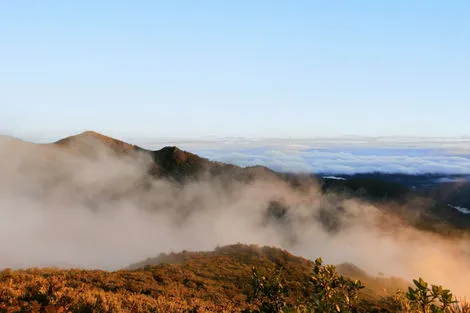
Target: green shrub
[(424, 299), (332, 292), (329, 292), (269, 292)]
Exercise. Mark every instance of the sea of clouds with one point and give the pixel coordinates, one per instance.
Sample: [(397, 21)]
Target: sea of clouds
[(348, 155)]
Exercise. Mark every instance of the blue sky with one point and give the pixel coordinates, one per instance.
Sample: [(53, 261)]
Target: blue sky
[(235, 68)]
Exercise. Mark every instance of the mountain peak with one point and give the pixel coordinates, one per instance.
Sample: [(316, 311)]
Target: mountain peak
[(91, 133), (86, 137), (174, 161), (176, 154)]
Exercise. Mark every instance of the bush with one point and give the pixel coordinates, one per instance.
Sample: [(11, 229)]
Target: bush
[(421, 298), (269, 292), (329, 292), (332, 292)]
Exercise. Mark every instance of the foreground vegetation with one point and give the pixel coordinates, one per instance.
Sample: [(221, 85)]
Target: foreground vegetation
[(234, 278)]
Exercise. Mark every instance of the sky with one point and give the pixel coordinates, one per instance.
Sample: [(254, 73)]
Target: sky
[(258, 69)]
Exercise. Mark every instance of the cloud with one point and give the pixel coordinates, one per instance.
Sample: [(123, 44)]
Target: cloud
[(333, 155), (101, 211), (345, 162), (341, 155)]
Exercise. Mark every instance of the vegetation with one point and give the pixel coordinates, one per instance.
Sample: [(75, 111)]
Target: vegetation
[(423, 299), (269, 292), (235, 278)]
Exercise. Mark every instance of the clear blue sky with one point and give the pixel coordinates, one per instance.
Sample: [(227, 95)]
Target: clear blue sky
[(235, 68)]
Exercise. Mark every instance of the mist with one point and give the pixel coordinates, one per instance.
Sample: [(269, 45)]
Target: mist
[(86, 207)]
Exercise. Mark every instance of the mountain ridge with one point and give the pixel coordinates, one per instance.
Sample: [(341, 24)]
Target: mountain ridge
[(169, 161)]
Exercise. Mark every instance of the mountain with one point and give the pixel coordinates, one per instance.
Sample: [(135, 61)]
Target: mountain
[(170, 162), (435, 205)]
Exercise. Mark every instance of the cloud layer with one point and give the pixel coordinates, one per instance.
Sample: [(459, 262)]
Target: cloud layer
[(347, 155)]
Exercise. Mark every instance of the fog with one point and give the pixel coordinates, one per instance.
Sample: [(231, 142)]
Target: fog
[(86, 207)]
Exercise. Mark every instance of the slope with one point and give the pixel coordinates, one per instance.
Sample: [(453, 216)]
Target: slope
[(216, 281)]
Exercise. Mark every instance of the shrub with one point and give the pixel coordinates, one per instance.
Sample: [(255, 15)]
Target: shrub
[(332, 292), (269, 292), (421, 298)]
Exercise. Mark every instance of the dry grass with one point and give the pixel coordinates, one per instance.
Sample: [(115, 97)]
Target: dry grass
[(217, 281)]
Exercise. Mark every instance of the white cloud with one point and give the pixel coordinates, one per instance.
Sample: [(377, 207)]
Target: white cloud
[(346, 155)]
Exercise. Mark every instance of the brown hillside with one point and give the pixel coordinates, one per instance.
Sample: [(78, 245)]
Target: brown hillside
[(215, 281), (246, 256)]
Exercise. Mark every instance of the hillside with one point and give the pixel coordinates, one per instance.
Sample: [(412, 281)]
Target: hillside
[(247, 256), (216, 281)]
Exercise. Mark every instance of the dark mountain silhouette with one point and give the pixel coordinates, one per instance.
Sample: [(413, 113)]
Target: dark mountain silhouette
[(368, 186)]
